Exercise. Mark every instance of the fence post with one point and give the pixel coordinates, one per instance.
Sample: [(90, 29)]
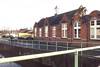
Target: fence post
[(47, 45), (39, 45), (32, 44), (56, 46), (67, 45), (81, 47), (76, 59)]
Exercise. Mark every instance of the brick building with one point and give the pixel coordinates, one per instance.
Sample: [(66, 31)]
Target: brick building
[(72, 26)]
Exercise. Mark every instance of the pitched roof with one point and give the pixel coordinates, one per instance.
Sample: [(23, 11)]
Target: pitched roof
[(41, 22), (35, 25), (86, 18), (54, 20), (71, 14), (95, 11)]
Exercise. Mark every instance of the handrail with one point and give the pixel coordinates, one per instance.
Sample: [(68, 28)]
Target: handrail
[(61, 41), (34, 56), (54, 44)]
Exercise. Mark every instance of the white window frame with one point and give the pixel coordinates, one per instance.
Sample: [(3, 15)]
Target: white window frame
[(77, 30), (40, 32), (35, 32), (95, 26), (64, 30), (54, 31), (46, 31)]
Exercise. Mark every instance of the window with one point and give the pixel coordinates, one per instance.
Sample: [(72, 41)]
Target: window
[(40, 32), (95, 29), (35, 32), (98, 22), (64, 30), (46, 31), (77, 30), (98, 33), (54, 31), (92, 32), (92, 23)]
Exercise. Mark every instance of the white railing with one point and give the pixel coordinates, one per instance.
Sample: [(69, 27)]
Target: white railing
[(48, 45), (43, 45), (34, 56), (25, 43)]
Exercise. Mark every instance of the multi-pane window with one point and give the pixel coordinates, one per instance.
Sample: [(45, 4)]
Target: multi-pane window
[(77, 29), (46, 31), (95, 29), (35, 31), (53, 31), (92, 32), (98, 32), (40, 32), (64, 30)]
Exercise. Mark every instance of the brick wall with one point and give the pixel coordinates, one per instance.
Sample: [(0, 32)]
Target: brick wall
[(84, 34)]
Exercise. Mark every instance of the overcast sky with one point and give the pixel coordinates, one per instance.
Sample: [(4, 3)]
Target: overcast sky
[(15, 14)]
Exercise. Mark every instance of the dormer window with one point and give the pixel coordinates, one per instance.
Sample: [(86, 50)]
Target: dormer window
[(53, 31), (95, 29), (46, 31), (77, 29), (64, 30)]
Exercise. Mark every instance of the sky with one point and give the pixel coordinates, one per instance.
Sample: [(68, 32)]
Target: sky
[(16, 14)]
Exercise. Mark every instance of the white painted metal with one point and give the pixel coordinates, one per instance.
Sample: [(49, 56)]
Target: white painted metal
[(34, 56), (76, 59)]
